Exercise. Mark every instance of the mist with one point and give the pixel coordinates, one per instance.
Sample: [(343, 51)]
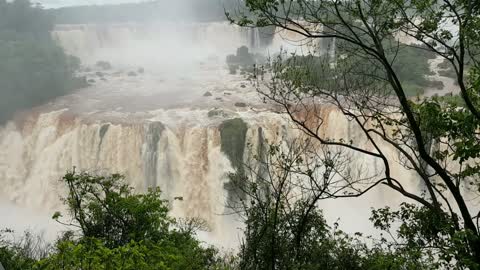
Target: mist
[(66, 3), (125, 68), (138, 65), (159, 10)]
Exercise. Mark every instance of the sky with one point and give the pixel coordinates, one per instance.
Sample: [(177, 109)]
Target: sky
[(63, 3)]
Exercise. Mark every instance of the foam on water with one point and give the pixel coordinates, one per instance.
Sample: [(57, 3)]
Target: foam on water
[(154, 127)]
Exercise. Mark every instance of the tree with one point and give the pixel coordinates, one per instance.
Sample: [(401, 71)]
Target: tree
[(105, 207), (34, 68), (435, 138), (114, 228), (285, 229), (119, 229), (21, 253)]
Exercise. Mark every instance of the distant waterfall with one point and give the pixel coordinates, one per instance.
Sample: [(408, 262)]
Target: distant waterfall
[(327, 47), (150, 149), (92, 41), (255, 40), (88, 41)]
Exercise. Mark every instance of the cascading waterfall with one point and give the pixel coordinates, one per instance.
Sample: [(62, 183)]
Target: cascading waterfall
[(153, 133), (178, 149), (184, 161), (90, 41), (255, 40)]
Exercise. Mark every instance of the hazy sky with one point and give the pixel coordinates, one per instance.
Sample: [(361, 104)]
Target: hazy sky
[(61, 3)]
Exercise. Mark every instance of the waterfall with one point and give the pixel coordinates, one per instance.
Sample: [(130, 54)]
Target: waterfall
[(92, 42), (180, 153), (255, 40), (129, 125), (150, 150), (184, 160)]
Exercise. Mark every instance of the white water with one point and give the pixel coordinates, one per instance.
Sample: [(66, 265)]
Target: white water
[(154, 127), (186, 161), (154, 44)]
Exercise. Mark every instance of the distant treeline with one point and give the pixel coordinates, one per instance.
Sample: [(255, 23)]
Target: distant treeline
[(33, 68), (190, 10)]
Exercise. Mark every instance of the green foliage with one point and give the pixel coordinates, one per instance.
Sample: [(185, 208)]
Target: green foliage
[(34, 68), (175, 252), (286, 229), (411, 65), (12, 259), (447, 118), (281, 235), (371, 83), (311, 71), (278, 238), (117, 230), (21, 254), (427, 235), (105, 207), (443, 118)]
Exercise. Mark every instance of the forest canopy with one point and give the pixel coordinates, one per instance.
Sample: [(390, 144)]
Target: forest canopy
[(34, 68)]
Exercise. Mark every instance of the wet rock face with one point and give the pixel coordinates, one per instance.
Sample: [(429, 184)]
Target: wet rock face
[(233, 134), (241, 104), (214, 113), (220, 113), (104, 65)]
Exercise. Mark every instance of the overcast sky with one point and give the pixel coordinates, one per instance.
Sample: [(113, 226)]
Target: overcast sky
[(62, 3)]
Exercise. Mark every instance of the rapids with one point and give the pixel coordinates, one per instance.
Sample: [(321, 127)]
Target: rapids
[(156, 126)]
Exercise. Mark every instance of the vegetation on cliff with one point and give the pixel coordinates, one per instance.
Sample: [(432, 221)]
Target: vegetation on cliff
[(33, 68)]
